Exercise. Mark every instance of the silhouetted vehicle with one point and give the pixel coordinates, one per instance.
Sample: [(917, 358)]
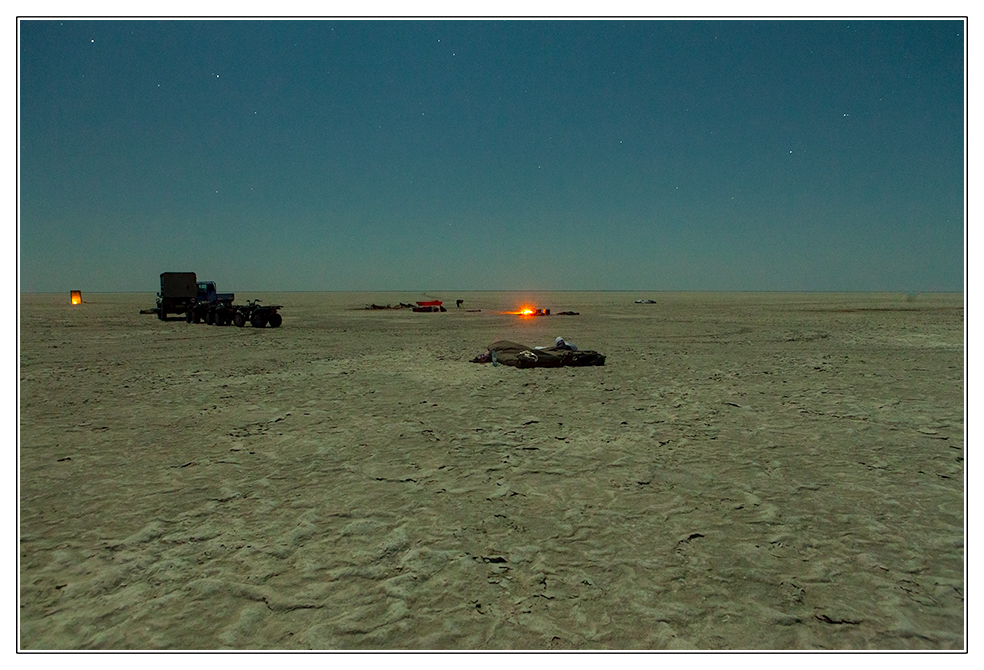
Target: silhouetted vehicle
[(259, 316), (181, 293), (210, 306), (178, 291)]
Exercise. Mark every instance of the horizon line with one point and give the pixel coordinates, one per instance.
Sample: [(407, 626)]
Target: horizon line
[(532, 290)]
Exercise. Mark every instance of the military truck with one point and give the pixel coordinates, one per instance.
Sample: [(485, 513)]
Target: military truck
[(178, 291)]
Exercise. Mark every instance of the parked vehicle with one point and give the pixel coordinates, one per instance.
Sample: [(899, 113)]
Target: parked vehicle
[(259, 316), (178, 291), (211, 306), (182, 293), (208, 293)]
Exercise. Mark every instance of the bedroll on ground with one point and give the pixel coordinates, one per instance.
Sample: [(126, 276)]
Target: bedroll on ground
[(522, 356)]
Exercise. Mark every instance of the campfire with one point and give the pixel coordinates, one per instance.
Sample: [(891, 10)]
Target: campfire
[(76, 297), (531, 311)]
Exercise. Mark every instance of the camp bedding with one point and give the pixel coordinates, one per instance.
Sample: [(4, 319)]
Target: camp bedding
[(522, 356)]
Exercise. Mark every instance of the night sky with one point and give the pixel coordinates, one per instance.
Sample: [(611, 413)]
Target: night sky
[(493, 155)]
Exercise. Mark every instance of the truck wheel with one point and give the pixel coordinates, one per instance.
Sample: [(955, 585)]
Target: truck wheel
[(210, 317), (258, 321), (196, 317), (188, 315), (239, 319), (276, 320)]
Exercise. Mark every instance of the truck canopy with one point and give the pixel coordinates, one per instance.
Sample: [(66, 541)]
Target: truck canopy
[(178, 285)]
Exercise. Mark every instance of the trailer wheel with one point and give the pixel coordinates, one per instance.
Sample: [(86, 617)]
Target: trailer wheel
[(188, 315), (276, 320), (161, 313), (258, 321), (239, 319), (210, 317)]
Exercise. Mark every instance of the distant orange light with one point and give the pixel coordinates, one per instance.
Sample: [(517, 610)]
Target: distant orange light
[(528, 311), (76, 297)]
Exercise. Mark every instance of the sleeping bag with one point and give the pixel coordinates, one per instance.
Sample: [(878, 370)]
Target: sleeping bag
[(522, 356)]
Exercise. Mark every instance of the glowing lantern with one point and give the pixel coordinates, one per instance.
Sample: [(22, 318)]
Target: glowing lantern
[(76, 297)]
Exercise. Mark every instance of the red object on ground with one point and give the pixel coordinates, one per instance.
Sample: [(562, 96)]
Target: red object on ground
[(431, 303)]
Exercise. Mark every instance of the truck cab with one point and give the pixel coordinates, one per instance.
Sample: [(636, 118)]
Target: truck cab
[(208, 295)]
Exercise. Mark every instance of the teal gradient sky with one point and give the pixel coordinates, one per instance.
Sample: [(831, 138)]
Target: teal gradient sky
[(493, 155)]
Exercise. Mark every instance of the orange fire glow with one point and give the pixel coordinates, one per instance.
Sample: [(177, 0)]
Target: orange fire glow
[(524, 311), (76, 297)]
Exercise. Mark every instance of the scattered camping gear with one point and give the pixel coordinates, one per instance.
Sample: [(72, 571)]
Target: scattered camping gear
[(537, 311), (522, 356), (430, 306), (401, 305), (561, 343)]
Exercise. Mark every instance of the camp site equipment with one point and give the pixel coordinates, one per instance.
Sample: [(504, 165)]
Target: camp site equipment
[(522, 356), (430, 306)]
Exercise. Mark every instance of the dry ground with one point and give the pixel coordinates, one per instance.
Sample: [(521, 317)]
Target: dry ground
[(748, 471)]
